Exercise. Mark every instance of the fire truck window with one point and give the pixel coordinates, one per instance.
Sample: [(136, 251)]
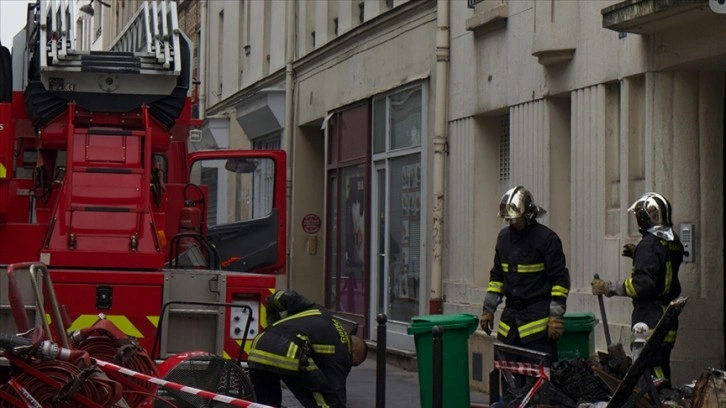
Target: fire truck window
[(237, 189)]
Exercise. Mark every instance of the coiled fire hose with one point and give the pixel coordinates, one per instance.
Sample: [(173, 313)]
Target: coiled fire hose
[(56, 376), (103, 341)]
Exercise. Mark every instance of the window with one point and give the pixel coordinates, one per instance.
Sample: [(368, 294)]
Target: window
[(398, 123), (237, 189), (504, 154), (405, 119), (220, 53)]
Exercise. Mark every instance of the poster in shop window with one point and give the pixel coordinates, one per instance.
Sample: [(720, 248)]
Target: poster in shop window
[(355, 217), (405, 284)]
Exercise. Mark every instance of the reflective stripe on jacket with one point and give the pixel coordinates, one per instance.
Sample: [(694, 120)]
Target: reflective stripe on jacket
[(309, 342), (654, 282), (529, 271)]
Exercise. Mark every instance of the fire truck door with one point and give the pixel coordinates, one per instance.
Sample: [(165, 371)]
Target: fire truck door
[(244, 207)]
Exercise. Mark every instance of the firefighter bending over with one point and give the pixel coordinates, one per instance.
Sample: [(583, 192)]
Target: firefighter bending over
[(653, 283), (308, 349), (530, 272)]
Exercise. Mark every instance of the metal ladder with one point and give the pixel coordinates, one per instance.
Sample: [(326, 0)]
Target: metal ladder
[(148, 44)]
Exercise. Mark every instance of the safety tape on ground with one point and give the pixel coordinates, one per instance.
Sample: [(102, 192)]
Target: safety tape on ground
[(179, 387), (532, 370)]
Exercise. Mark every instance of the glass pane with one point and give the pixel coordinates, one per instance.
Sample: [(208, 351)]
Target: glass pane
[(237, 189), (350, 287), (379, 125), (405, 240), (405, 119), (382, 253), (332, 241)]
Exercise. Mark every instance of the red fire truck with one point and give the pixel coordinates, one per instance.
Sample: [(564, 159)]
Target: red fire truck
[(99, 182)]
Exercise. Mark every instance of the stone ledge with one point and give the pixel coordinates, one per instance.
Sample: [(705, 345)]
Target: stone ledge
[(488, 20), (552, 57), (651, 16)]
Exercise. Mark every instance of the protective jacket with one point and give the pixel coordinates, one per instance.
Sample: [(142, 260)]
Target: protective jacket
[(529, 271), (654, 281), (309, 342)]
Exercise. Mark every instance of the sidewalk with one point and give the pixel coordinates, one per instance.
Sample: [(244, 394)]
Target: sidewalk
[(402, 388)]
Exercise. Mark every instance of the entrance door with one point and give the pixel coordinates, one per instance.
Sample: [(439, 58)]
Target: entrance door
[(398, 202), (348, 219)]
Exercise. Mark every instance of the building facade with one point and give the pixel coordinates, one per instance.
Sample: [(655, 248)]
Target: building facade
[(405, 121)]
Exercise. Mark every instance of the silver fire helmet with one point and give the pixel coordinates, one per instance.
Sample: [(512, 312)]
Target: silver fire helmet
[(518, 202), (653, 209), (653, 212)]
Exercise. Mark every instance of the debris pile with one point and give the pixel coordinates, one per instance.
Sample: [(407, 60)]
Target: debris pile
[(577, 380)]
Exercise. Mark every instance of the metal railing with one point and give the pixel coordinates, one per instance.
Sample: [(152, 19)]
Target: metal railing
[(472, 3), (152, 36), (154, 31), (57, 19)]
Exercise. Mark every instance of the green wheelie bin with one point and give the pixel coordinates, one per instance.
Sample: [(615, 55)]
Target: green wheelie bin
[(456, 331)]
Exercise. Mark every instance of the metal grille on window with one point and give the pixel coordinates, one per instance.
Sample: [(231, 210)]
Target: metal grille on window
[(504, 153)]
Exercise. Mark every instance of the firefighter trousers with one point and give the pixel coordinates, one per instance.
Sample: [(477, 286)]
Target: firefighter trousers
[(268, 390)]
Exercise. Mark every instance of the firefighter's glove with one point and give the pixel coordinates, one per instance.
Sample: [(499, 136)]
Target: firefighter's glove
[(555, 328), (628, 250), (600, 287), (607, 288), (487, 322)]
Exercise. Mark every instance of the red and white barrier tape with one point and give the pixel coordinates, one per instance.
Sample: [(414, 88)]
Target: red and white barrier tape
[(179, 387), (532, 370)]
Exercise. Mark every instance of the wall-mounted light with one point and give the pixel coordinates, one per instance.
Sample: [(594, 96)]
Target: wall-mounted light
[(88, 8)]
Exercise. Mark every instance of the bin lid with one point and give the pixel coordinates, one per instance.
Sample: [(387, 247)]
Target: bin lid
[(424, 324), (577, 319)]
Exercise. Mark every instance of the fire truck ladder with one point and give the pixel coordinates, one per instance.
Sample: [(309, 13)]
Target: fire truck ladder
[(148, 63), (146, 45)]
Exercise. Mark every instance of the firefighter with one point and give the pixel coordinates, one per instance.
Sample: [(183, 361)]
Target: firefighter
[(653, 283), (308, 349), (530, 272)]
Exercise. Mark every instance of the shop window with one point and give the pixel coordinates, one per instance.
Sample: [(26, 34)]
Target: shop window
[(398, 123)]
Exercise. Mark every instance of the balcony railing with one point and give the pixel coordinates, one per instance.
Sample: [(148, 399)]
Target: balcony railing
[(472, 3)]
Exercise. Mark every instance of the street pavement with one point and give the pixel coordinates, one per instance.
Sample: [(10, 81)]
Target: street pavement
[(402, 388)]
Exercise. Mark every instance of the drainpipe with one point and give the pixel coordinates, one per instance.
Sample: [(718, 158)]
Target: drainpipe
[(436, 303), (289, 125), (203, 61)]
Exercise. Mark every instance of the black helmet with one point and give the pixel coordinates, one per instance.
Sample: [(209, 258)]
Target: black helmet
[(518, 202)]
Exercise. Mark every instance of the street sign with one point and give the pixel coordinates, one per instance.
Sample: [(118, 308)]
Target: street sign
[(311, 223)]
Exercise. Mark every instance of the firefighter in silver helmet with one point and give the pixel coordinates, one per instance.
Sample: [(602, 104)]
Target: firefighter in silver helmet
[(653, 283), (530, 274)]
